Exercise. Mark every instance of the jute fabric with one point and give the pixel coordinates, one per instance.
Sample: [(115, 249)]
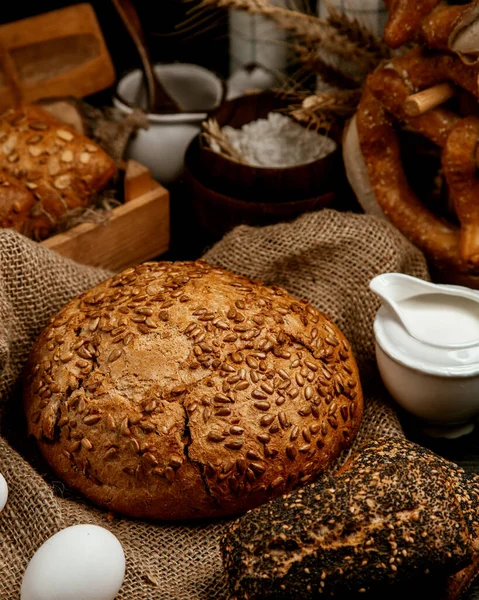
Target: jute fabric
[(327, 257)]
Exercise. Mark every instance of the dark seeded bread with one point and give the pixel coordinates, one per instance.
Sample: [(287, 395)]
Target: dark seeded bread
[(180, 390), (396, 517)]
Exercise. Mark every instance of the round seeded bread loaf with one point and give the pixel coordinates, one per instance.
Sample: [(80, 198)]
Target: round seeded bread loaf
[(180, 390)]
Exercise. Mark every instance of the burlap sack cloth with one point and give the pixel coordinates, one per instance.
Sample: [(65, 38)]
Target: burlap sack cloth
[(326, 257)]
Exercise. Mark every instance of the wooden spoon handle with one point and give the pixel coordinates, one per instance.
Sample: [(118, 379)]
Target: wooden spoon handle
[(158, 98)]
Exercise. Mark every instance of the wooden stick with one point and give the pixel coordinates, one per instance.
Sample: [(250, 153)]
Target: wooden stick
[(418, 104)]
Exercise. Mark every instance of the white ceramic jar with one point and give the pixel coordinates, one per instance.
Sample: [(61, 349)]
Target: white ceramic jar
[(257, 40), (439, 385), (162, 146)]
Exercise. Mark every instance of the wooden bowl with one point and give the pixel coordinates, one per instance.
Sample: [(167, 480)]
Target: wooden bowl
[(218, 213), (265, 184)]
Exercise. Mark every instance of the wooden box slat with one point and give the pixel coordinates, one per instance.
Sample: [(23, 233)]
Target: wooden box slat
[(134, 232)]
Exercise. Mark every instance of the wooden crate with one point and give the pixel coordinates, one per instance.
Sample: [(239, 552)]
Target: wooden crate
[(58, 53), (136, 231)]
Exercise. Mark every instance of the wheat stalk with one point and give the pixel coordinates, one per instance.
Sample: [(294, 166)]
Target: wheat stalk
[(311, 29), (213, 133), (316, 121), (358, 33), (252, 6), (339, 35), (330, 74), (291, 20), (342, 103), (326, 108)]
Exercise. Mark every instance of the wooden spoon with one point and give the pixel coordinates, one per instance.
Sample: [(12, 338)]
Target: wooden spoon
[(159, 101)]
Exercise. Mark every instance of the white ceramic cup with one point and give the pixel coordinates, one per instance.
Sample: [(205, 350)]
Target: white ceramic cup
[(162, 146), (447, 406), (438, 386)]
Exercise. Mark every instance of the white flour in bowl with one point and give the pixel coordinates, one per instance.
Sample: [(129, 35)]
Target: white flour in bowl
[(277, 141)]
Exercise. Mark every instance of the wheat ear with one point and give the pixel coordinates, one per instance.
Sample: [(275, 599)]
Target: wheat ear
[(311, 29), (213, 133), (358, 33)]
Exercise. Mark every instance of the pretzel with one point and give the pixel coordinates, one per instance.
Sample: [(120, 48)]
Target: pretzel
[(411, 90), (392, 91), (405, 17), (423, 69), (459, 164), (394, 82), (381, 107), (437, 238), (436, 28), (433, 22)]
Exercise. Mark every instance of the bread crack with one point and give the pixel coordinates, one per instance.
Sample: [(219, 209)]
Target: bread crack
[(201, 467), (186, 434), (295, 340), (204, 479)]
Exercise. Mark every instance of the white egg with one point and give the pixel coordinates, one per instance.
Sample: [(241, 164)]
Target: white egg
[(3, 492), (83, 562)]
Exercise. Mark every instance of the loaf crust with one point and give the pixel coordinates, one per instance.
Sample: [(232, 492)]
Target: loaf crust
[(16, 203), (54, 169), (180, 390)]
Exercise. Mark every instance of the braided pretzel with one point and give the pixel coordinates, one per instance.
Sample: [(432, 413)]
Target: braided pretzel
[(381, 106)]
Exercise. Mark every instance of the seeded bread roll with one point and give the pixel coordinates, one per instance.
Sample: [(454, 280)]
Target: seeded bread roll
[(180, 390), (397, 521), (16, 203), (54, 168)]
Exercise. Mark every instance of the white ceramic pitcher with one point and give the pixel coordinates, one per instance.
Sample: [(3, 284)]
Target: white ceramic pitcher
[(427, 350)]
